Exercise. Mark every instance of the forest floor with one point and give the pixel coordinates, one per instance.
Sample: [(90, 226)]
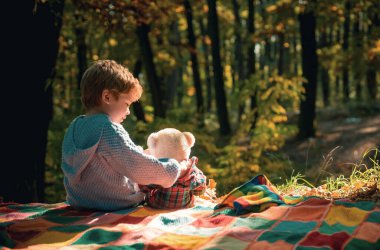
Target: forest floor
[(343, 136)]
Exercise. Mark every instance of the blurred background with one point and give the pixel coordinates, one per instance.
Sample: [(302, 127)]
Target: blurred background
[(274, 87)]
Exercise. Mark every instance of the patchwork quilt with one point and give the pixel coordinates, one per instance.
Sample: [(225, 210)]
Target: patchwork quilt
[(252, 216)]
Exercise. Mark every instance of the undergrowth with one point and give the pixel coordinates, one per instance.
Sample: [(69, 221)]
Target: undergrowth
[(363, 182)]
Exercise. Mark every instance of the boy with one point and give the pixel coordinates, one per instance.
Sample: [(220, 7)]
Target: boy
[(101, 164)]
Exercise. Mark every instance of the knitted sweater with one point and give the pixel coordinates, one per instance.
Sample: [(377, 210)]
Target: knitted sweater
[(102, 166)]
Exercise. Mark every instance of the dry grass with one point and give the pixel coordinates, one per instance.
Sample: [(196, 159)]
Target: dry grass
[(362, 184)]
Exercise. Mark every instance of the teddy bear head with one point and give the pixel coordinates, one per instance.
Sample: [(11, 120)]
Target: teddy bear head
[(171, 143)]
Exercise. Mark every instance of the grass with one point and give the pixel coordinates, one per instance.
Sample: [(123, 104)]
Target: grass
[(362, 184)]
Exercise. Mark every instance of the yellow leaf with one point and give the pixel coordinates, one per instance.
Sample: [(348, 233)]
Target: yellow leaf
[(271, 8), (279, 118), (190, 91), (211, 183), (112, 42)]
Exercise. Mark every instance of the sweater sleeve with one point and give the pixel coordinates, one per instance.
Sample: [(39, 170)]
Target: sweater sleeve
[(127, 159)]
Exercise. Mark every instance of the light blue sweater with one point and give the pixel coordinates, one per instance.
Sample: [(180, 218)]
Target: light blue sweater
[(102, 166)]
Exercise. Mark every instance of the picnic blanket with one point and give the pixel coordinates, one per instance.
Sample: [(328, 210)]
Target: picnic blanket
[(252, 216)]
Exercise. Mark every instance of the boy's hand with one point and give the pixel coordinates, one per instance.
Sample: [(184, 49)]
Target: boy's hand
[(146, 151), (185, 165)]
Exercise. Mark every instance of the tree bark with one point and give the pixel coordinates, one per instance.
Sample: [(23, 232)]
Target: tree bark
[(206, 53), (194, 57), (324, 72), (174, 85), (23, 180), (251, 63), (251, 46), (338, 75), (371, 80), (306, 123), (137, 106), (356, 33), (371, 83), (239, 58), (346, 31), (281, 41), (224, 125), (154, 82), (81, 45)]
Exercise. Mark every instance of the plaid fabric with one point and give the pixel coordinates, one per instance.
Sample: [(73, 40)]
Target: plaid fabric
[(181, 194)]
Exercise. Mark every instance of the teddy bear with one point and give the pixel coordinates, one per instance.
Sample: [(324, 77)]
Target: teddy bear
[(172, 143)]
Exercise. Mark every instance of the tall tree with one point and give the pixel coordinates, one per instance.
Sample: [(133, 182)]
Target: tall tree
[(338, 75), (26, 129), (80, 43), (239, 58), (324, 72), (206, 53), (142, 31), (357, 49), (251, 69), (220, 95), (137, 106), (306, 123), (281, 52), (194, 56), (174, 80), (346, 34), (372, 66)]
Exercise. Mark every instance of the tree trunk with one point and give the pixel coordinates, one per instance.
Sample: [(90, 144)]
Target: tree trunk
[(358, 48), (371, 83), (338, 75), (23, 178), (251, 64), (218, 72), (295, 53), (173, 80), (251, 46), (281, 41), (154, 82), (239, 59), (180, 87), (194, 57), (137, 106), (324, 72), (371, 67), (81, 46), (206, 53), (346, 31), (309, 70)]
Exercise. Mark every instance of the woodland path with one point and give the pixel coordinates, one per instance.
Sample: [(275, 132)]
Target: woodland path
[(345, 135)]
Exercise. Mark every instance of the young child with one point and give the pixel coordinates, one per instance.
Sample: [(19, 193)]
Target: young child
[(102, 166)]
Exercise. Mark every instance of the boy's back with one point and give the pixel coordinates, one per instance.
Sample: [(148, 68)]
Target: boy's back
[(89, 179)]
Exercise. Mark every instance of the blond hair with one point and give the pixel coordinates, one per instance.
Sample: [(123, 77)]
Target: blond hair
[(107, 74)]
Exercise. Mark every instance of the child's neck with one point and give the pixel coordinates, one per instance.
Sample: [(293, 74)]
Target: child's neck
[(95, 111)]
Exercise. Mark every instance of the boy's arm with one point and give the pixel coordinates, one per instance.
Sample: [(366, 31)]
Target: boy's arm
[(125, 157)]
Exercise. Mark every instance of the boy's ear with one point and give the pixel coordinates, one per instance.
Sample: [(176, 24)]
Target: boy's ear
[(106, 96), (152, 140), (189, 138)]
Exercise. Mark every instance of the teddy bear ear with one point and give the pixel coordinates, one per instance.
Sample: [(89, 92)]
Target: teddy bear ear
[(189, 138), (152, 140)]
